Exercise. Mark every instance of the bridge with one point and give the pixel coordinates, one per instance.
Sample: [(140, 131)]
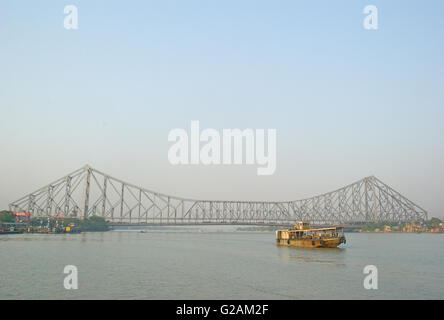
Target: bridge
[(89, 192)]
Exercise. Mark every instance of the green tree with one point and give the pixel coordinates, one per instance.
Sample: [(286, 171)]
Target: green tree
[(433, 223), (94, 223), (6, 216)]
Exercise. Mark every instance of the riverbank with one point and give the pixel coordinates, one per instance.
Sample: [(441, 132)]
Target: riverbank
[(55, 225), (434, 225)]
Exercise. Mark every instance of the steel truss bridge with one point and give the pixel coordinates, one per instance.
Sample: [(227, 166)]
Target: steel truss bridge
[(89, 192)]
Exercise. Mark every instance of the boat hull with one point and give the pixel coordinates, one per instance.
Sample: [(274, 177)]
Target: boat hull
[(311, 243)]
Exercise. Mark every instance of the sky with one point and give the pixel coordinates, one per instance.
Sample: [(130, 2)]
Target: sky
[(346, 102)]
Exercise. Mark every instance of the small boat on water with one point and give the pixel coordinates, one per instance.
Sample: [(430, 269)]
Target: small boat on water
[(11, 228), (302, 235)]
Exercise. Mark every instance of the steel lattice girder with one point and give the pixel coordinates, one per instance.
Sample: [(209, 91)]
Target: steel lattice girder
[(87, 192)]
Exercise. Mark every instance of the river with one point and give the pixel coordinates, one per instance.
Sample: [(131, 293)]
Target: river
[(218, 263)]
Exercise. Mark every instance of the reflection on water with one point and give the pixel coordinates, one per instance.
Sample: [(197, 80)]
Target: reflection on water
[(183, 263), (333, 256)]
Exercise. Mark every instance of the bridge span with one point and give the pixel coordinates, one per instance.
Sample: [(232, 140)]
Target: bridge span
[(89, 192)]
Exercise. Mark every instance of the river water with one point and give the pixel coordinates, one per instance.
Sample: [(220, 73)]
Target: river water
[(218, 263)]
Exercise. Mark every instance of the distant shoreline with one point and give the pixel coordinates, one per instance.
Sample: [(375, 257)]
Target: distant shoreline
[(273, 229)]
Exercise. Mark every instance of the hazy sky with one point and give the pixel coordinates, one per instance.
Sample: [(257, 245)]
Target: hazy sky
[(346, 102)]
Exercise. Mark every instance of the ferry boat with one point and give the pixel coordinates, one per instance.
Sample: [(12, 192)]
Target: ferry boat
[(11, 227), (302, 235)]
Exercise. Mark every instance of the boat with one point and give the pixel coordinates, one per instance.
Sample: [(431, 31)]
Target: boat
[(11, 228), (302, 235)]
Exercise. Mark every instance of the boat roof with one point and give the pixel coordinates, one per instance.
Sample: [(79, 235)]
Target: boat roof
[(330, 228), (318, 229)]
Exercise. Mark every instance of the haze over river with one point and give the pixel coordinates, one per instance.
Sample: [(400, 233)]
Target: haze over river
[(218, 263)]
